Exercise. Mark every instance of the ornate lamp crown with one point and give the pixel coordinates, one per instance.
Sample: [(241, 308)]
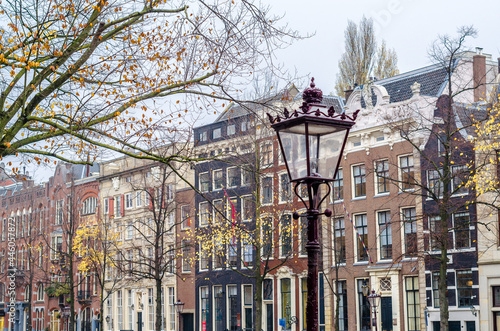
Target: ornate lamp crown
[(312, 94)]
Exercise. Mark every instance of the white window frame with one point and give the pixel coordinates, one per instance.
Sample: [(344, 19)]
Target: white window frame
[(200, 182), (204, 223), (129, 201), (203, 256), (400, 173), (228, 184), (214, 188), (376, 177), (231, 129), (216, 133), (356, 239), (243, 200), (379, 253), (245, 174), (138, 199), (403, 234), (353, 185), (271, 158), (183, 219), (281, 236), (262, 190), (271, 241), (281, 200)]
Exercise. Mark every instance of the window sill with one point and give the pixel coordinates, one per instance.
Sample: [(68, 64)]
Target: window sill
[(343, 264), (383, 261), (410, 190), (361, 263), (384, 194), (406, 259), (359, 198), (337, 201)]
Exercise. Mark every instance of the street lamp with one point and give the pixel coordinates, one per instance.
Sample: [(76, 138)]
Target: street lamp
[(312, 140), (179, 307), (373, 300)]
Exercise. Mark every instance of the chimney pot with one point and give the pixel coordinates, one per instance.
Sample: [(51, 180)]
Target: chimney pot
[(479, 50)]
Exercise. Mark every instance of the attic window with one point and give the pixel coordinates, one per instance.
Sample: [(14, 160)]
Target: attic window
[(356, 143), (216, 133), (380, 138), (231, 129)]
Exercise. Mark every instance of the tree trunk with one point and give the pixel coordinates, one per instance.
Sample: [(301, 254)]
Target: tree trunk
[(158, 319)]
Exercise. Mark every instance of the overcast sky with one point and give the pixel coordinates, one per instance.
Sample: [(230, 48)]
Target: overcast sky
[(408, 26)]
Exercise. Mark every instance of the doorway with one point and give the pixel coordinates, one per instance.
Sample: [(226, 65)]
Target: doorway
[(386, 313), (187, 322)]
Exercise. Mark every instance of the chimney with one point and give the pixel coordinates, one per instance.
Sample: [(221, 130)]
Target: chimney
[(498, 65), (348, 93), (479, 75)]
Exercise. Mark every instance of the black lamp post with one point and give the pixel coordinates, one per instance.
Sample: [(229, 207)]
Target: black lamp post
[(374, 299), (179, 307), (312, 141)]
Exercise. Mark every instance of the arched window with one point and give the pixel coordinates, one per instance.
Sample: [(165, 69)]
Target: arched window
[(89, 205), (40, 293), (54, 320)]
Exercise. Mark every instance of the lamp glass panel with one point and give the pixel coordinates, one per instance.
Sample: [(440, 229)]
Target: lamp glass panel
[(294, 147), (330, 148), (325, 146)]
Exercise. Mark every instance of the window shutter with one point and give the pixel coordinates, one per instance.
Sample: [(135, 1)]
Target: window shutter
[(122, 207), (111, 207)]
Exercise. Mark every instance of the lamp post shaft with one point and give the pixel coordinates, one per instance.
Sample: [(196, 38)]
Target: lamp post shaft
[(312, 248)]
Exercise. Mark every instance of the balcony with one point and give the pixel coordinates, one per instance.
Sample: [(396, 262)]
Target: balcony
[(84, 297)]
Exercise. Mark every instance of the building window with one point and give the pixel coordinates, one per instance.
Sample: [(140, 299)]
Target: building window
[(286, 302), (385, 234), (203, 136), (464, 288), (118, 206), (119, 309), (204, 304), (412, 303), (56, 247), (216, 133), (204, 213), (130, 230), (339, 244), (267, 154), (435, 289), (186, 255), (406, 172), (171, 259), (89, 206), (435, 184), (233, 311), (359, 180), (248, 253), (434, 233), (246, 177), (285, 188), (151, 310), (218, 211), (461, 226), (204, 262), (39, 296), (410, 231), (218, 179), (361, 224), (204, 182), (218, 308), (232, 255), (303, 283), (496, 296), (363, 306), (267, 237), (286, 235), (130, 311), (382, 168), (231, 205), (460, 176), (219, 254), (267, 190), (129, 201), (231, 129), (343, 317), (171, 307), (247, 307), (185, 217), (267, 289), (169, 192), (59, 211), (338, 186), (247, 208), (232, 177)]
